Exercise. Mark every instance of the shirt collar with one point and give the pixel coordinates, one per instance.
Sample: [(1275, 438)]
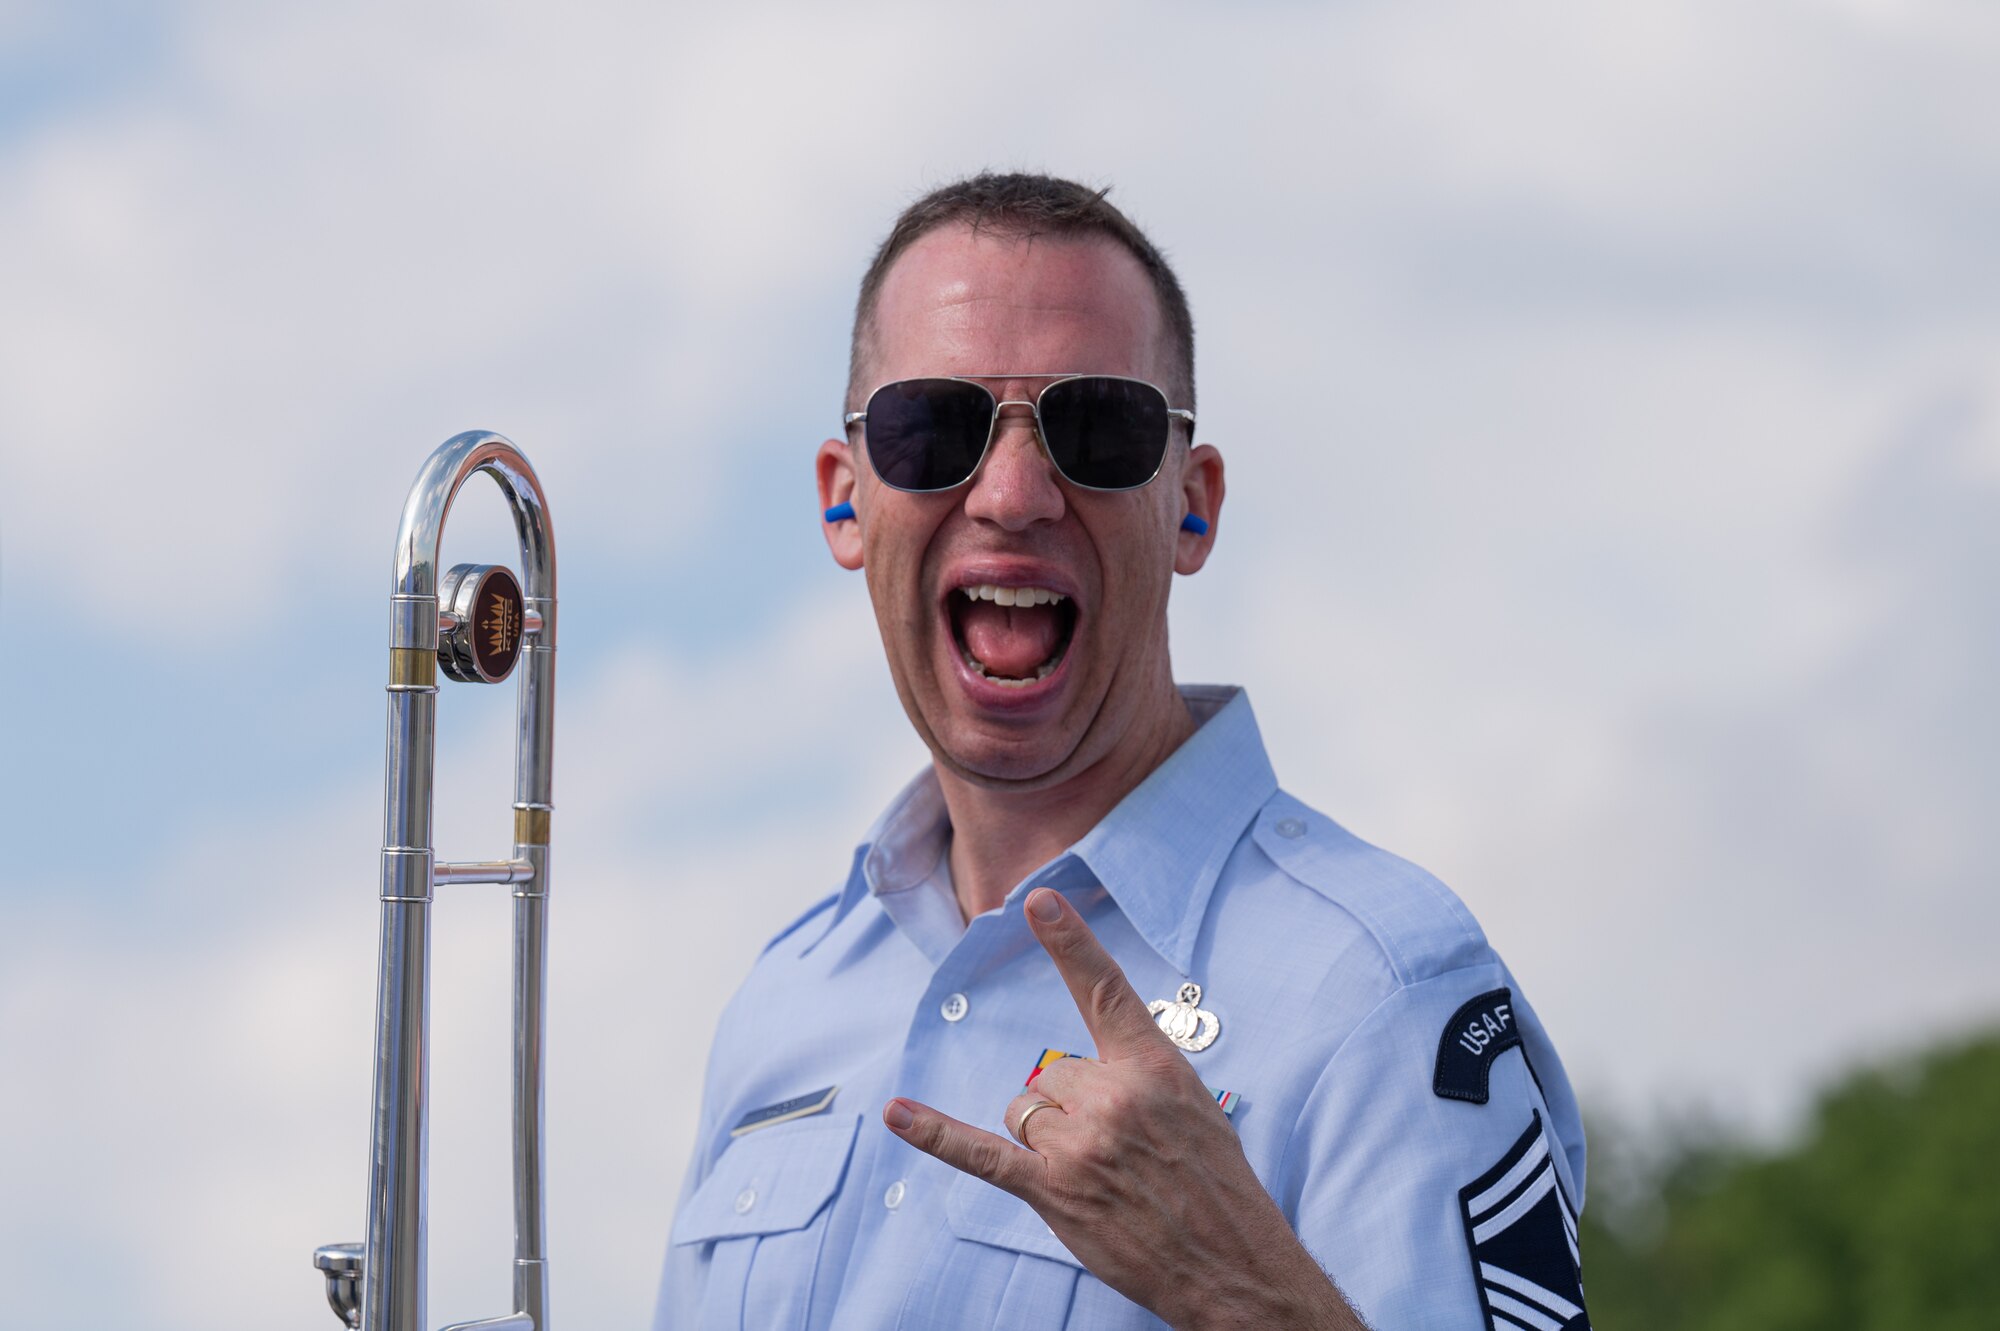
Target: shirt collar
[(899, 851), (1158, 853), (1161, 850)]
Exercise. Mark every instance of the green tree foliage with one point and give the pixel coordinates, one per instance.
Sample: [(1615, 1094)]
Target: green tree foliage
[(1885, 1216)]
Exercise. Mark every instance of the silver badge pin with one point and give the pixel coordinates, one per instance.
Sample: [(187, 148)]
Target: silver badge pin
[(1185, 1021)]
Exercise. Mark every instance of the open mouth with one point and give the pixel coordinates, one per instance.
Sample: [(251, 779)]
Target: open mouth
[(1011, 636)]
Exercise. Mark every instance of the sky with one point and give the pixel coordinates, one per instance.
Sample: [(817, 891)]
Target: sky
[(1611, 399)]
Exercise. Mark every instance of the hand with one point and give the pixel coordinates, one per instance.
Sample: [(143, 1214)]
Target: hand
[(1134, 1166)]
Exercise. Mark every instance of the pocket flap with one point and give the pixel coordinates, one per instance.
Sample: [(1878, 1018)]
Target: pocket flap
[(978, 1211), (770, 1181)]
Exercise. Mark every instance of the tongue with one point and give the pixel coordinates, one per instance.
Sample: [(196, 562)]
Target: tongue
[(1010, 640)]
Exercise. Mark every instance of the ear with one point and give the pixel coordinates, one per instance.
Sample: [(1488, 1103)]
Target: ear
[(1201, 492), (838, 484)]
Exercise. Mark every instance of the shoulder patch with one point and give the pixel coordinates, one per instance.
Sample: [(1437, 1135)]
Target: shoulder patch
[(1479, 1032), (1521, 1232)]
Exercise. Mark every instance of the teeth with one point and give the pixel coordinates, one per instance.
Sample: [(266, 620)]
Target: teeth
[(986, 591), (1014, 596)]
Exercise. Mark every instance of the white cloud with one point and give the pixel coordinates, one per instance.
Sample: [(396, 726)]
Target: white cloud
[(1610, 401)]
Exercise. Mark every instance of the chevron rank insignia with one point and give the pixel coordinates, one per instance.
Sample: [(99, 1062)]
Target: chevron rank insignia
[(1521, 1230)]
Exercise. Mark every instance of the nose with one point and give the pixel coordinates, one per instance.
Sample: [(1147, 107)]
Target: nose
[(1016, 485)]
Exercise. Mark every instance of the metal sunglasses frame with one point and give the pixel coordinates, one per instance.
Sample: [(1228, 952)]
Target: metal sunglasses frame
[(854, 418)]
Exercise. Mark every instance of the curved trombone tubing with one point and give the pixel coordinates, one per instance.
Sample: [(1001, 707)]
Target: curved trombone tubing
[(381, 1287)]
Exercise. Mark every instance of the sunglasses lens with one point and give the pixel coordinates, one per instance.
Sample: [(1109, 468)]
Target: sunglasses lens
[(1109, 434), (927, 434)]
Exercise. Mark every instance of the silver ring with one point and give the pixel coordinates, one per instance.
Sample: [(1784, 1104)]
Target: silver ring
[(1021, 1128)]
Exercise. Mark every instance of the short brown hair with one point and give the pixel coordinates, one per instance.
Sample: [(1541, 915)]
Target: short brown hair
[(1024, 206)]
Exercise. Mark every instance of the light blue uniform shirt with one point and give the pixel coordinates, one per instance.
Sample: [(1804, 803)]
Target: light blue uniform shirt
[(1353, 992)]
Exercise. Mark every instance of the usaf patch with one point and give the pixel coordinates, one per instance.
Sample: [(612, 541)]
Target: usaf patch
[(1521, 1230), (1477, 1033)]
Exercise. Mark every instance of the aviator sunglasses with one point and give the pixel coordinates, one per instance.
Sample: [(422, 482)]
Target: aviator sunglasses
[(1102, 431)]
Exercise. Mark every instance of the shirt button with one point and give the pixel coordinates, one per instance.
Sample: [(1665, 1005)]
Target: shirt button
[(1290, 827), (745, 1200), (954, 1008), (893, 1198)]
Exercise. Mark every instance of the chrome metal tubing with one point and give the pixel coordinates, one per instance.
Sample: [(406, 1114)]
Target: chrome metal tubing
[(484, 871), (392, 1267), (511, 1322)]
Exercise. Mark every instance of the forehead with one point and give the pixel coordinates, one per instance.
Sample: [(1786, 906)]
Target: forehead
[(960, 302)]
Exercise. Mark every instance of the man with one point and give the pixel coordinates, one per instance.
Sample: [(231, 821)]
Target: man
[(1337, 1105)]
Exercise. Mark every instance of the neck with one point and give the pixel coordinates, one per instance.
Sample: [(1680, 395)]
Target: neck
[(999, 835)]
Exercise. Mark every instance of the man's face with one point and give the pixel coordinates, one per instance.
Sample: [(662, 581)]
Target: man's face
[(1030, 694)]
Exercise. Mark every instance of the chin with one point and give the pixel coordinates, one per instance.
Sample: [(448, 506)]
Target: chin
[(1017, 762)]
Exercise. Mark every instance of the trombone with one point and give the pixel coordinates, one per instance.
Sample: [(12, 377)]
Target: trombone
[(474, 624)]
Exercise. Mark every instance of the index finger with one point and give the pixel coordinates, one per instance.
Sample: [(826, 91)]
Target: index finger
[(970, 1150), (1112, 1009)]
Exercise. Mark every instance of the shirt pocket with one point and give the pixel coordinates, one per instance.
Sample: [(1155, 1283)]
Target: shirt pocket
[(763, 1208), (998, 1266)]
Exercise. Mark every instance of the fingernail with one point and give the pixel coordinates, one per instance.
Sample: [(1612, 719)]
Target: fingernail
[(1045, 905), (897, 1115)]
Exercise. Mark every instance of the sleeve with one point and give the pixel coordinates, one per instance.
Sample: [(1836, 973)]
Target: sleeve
[(1436, 1169)]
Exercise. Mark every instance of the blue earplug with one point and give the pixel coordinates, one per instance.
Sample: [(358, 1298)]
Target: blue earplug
[(1199, 526), (840, 513)]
